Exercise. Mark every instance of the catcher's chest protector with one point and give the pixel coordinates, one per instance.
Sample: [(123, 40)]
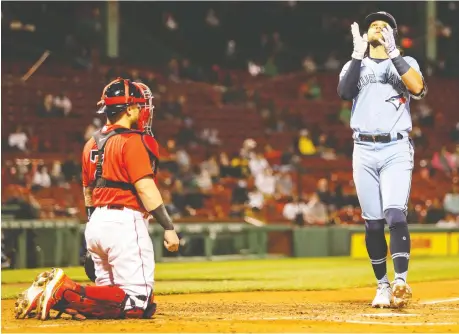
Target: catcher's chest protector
[(101, 140)]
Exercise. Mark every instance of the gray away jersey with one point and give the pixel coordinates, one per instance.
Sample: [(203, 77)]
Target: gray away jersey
[(383, 102)]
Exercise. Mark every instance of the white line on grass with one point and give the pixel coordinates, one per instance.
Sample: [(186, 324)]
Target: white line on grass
[(440, 301)]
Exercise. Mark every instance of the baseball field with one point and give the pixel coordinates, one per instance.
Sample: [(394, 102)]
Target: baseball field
[(284, 295)]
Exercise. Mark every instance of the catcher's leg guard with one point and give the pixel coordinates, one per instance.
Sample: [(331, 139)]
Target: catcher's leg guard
[(101, 302), (105, 302)]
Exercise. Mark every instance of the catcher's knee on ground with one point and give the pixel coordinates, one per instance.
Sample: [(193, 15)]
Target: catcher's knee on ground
[(106, 302)]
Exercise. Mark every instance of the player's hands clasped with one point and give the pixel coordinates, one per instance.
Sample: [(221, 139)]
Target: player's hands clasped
[(171, 240), (389, 42), (360, 42)]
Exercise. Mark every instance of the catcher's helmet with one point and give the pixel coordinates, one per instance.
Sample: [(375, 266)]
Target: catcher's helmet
[(382, 16), (118, 95), (121, 93)]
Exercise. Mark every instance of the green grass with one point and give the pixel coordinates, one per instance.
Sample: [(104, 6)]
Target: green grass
[(260, 275)]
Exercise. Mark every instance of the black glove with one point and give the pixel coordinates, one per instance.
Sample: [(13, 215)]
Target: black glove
[(89, 267)]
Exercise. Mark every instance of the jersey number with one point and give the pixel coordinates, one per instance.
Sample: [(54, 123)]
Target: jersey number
[(93, 156)]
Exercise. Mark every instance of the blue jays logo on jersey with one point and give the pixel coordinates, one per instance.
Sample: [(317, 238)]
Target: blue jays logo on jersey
[(397, 100)]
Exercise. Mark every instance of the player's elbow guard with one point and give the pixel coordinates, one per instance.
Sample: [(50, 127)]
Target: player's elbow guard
[(420, 92)]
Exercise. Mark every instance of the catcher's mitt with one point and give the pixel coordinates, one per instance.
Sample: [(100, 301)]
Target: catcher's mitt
[(89, 267)]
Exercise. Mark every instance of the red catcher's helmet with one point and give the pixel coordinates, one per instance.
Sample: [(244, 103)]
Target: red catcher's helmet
[(121, 93)]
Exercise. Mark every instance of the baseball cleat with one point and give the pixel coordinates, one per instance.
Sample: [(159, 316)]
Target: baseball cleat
[(401, 292), (28, 299), (52, 293), (383, 296)]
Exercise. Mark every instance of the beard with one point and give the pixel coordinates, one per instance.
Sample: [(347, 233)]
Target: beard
[(374, 43)]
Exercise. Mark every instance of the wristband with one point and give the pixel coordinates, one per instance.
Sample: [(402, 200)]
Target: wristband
[(89, 211), (401, 65), (162, 217)]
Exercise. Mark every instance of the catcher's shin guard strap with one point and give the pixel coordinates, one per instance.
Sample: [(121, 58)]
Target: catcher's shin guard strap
[(103, 302), (100, 302)]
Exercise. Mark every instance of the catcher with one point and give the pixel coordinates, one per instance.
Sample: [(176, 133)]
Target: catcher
[(119, 167)]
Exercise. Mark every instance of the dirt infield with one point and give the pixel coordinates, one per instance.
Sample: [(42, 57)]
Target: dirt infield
[(435, 308)]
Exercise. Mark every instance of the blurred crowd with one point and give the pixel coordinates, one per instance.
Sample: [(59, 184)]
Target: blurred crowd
[(284, 37), (270, 38)]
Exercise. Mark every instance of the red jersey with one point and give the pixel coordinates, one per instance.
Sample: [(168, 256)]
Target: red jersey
[(126, 159)]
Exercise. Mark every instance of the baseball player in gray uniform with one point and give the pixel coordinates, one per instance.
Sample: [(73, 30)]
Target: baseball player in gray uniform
[(381, 82)]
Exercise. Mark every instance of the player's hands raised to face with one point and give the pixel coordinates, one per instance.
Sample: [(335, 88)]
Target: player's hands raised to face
[(360, 42), (389, 42), (171, 240)]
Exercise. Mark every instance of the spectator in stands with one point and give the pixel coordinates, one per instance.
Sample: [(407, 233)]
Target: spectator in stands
[(450, 221), (239, 199), (323, 192), (284, 183), (170, 22), (171, 108), (271, 67), (455, 133), (135, 76), (62, 104), (266, 183), (332, 63), (316, 212), (47, 109), (309, 65), (186, 71), (424, 113), (435, 211), (212, 167), (171, 209), (418, 137), (57, 177), (169, 157), (311, 90), (71, 169), (295, 210), (239, 166), (256, 200), (278, 45), (186, 136), (29, 208), (231, 54), (183, 159), (173, 70), (212, 19), (18, 140), (444, 161), (248, 148), (224, 164), (451, 201), (287, 158), (345, 112), (304, 144), (456, 157), (258, 164), (41, 178), (152, 82), (271, 155), (96, 125), (210, 137), (203, 179)]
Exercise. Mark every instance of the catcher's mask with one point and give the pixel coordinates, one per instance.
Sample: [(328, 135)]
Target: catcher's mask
[(120, 94)]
